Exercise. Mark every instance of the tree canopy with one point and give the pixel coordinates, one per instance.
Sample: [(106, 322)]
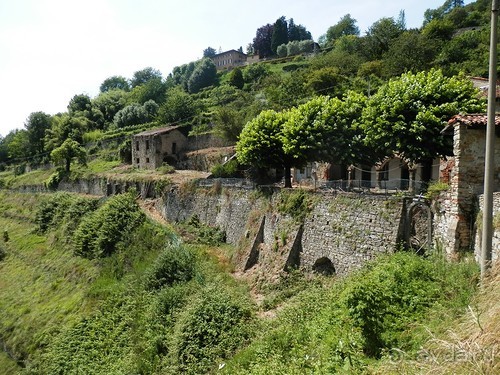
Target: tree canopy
[(261, 143), (346, 26), (68, 151), (114, 83), (142, 76), (406, 116)]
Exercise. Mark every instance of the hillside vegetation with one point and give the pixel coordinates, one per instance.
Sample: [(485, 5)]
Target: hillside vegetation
[(95, 286), (453, 39)]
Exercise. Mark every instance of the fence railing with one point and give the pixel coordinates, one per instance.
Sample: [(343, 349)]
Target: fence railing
[(228, 182), (368, 186)]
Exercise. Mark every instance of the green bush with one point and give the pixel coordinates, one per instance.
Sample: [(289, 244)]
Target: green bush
[(211, 327), (175, 264), (100, 232), (297, 203), (63, 210), (398, 290), (165, 169), (229, 169), (3, 253), (204, 234), (55, 178), (19, 169)]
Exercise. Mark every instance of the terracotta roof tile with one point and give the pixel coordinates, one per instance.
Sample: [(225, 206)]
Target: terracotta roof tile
[(473, 120)]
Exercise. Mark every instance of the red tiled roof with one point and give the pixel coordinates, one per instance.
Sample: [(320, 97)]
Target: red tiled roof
[(473, 120)]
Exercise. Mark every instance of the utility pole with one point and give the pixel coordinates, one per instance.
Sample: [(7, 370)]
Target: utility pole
[(486, 243)]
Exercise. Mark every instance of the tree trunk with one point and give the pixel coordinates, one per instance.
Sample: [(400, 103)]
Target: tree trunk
[(68, 164), (288, 176)]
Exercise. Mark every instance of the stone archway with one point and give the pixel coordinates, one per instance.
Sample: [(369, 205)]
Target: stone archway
[(419, 227), (324, 266)]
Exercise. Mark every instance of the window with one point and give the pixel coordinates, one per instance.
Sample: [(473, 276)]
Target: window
[(147, 144), (174, 148), (137, 145), (137, 161), (147, 160)]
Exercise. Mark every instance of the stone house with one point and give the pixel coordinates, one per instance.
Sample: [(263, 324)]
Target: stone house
[(229, 59), (456, 218), (152, 148)]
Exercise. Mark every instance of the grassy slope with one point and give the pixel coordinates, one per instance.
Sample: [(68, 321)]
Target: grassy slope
[(41, 287), (45, 292)]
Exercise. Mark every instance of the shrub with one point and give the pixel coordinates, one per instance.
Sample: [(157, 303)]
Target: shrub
[(63, 210), (435, 188), (175, 264), (99, 233), (19, 169), (3, 253), (396, 291), (165, 169), (55, 178), (296, 203), (125, 151), (229, 169), (212, 326), (205, 234)]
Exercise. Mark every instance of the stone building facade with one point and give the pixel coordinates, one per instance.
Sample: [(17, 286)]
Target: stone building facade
[(152, 148), (456, 216), (229, 59)]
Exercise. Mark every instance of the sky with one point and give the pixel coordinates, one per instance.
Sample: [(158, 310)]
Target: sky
[(51, 50)]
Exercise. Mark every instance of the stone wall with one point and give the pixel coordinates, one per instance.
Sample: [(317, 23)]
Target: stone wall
[(203, 141), (349, 230), (346, 230), (229, 210), (456, 216), (496, 230)]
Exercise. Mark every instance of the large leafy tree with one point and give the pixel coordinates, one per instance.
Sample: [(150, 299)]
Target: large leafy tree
[(114, 83), (326, 129), (411, 51), (262, 41), (209, 52), (142, 76), (261, 143), (81, 106), (346, 26), (178, 107), (204, 75), (236, 78), (280, 34), (69, 150), (153, 89), (297, 32), (110, 102), (406, 116), (135, 114), (380, 36), (18, 145), (36, 125), (63, 127)]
